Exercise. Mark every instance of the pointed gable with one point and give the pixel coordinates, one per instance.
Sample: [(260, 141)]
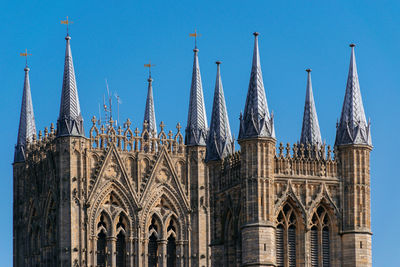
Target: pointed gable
[(196, 130), (353, 127), (219, 142), (70, 121), (310, 132), (149, 112), (256, 120), (27, 127)]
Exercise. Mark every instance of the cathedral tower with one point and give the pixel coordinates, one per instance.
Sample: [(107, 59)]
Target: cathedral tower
[(195, 141), (353, 142), (257, 144)]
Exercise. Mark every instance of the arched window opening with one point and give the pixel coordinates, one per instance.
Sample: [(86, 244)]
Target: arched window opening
[(325, 247), (171, 251), (320, 238), (152, 251), (314, 247), (280, 254), (120, 246), (101, 249), (153, 225), (171, 226), (101, 222), (286, 237)]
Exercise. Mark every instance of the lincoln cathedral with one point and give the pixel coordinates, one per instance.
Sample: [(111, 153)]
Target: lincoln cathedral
[(144, 195)]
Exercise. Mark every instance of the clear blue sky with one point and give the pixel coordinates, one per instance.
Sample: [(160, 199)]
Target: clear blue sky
[(113, 39)]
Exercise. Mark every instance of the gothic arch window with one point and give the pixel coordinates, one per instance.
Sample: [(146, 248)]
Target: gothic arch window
[(231, 242), (285, 235), (101, 243), (101, 249), (320, 238), (121, 228), (120, 247), (171, 243), (152, 248)]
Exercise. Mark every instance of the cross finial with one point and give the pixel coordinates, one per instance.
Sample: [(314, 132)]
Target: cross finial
[(26, 55), (195, 35), (66, 22), (149, 66)]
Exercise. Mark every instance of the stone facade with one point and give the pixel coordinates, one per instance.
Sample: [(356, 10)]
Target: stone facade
[(120, 197)]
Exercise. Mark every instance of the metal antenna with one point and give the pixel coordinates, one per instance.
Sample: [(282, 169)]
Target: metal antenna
[(118, 102), (26, 55), (67, 22), (108, 109)]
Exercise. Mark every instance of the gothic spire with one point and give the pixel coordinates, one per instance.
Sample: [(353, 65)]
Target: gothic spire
[(27, 128), (219, 142), (353, 127), (256, 120), (310, 132), (70, 121), (149, 113), (196, 129)]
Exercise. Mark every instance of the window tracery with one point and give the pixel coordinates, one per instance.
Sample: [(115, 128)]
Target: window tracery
[(320, 238), (285, 236)]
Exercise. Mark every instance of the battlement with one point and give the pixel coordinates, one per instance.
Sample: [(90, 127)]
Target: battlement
[(135, 141), (305, 160)]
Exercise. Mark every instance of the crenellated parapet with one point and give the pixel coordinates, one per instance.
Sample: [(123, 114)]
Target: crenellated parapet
[(305, 160), (135, 141)]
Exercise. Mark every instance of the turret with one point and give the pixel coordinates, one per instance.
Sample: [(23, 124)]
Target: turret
[(70, 121), (310, 132), (257, 144), (195, 141), (27, 128), (353, 144)]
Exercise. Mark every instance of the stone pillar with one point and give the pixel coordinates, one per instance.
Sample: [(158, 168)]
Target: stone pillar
[(162, 253), (112, 251), (354, 165), (258, 230)]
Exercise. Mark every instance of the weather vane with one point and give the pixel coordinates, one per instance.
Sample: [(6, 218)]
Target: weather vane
[(195, 35), (26, 55), (149, 66), (67, 22)]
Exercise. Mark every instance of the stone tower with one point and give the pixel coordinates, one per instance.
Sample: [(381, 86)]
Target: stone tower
[(353, 141), (121, 197)]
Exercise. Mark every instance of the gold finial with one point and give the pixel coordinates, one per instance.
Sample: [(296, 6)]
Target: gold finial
[(26, 55), (67, 22), (195, 35), (149, 66)]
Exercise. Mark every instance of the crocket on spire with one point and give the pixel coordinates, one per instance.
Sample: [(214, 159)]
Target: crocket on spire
[(70, 121), (353, 127), (196, 129), (149, 113), (219, 141), (310, 132), (256, 120), (27, 128)]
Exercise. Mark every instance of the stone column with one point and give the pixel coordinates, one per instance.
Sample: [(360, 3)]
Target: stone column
[(111, 244), (162, 253)]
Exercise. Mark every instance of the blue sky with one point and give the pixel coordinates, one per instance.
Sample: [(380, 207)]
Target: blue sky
[(113, 39)]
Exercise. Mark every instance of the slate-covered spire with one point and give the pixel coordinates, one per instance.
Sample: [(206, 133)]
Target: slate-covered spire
[(196, 129), (149, 113), (310, 132), (256, 120), (70, 121), (27, 128), (353, 127), (219, 141)]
